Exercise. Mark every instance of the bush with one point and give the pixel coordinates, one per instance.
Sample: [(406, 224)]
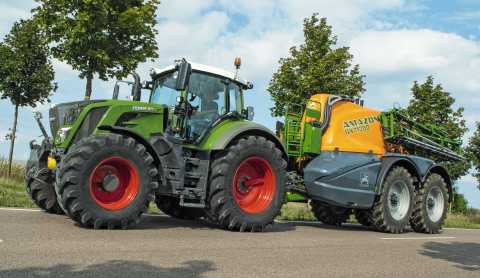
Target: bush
[(459, 204)]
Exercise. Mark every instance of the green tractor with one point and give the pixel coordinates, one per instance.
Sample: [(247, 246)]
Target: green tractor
[(192, 149)]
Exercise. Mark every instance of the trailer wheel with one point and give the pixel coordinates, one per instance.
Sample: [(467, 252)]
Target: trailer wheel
[(107, 181), (247, 185), (392, 209), (171, 207), (328, 214), (364, 217), (41, 189), (430, 208)]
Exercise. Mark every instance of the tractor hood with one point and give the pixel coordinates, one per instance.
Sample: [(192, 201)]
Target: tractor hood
[(65, 114)]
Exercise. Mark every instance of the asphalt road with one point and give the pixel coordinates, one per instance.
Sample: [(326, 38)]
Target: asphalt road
[(35, 244)]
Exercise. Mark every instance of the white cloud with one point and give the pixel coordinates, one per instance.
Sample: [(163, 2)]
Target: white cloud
[(393, 59), (184, 10), (11, 11)]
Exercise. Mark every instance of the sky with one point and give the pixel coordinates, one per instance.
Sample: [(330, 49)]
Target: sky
[(394, 41)]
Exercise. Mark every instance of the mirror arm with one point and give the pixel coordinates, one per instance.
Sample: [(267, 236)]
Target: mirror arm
[(137, 87)]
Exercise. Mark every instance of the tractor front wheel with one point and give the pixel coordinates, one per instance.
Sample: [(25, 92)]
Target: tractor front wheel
[(247, 185), (106, 181)]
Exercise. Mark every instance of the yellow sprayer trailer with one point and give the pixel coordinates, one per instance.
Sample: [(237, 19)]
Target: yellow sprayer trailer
[(381, 166)]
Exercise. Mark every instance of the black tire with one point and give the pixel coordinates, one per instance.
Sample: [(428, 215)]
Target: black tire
[(222, 207), (421, 221), (364, 217), (382, 215), (328, 214), (74, 177), (41, 189), (171, 207)]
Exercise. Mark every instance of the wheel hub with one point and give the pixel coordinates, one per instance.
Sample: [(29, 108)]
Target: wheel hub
[(114, 183), (254, 185), (435, 204), (399, 200), (110, 183)]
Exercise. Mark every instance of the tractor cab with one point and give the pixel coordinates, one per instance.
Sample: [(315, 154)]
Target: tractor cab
[(197, 97)]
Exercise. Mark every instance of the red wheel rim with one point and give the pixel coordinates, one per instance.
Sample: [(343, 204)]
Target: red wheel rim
[(254, 185), (114, 183)]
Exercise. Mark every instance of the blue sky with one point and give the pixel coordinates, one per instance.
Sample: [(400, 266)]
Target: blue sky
[(394, 41)]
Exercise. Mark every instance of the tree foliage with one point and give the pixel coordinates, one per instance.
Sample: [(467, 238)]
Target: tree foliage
[(26, 73), (104, 37), (459, 204), (313, 67), (473, 153), (431, 104)]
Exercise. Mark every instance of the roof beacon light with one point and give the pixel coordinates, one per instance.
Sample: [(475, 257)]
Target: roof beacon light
[(237, 63)]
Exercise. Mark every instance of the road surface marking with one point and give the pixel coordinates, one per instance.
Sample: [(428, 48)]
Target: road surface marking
[(19, 209), (417, 238)]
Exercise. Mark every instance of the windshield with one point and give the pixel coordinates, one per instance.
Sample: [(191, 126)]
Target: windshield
[(209, 97), (164, 90)]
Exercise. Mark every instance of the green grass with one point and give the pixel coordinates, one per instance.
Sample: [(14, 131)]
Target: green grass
[(466, 221), (13, 194), (12, 190), (296, 212)]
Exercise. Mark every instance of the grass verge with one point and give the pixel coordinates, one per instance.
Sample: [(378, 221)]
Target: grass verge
[(13, 194)]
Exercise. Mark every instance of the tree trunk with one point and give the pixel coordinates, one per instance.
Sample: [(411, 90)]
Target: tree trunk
[(12, 142), (88, 89)]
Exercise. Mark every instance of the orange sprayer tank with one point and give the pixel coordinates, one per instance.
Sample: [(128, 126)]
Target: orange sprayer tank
[(352, 127)]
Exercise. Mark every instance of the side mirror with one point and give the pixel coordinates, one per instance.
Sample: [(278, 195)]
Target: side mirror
[(116, 91), (184, 71), (136, 88), (250, 113)]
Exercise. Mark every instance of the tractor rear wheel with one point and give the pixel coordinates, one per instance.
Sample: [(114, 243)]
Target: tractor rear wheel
[(328, 214), (392, 209), (247, 185), (106, 181), (171, 207), (431, 204), (41, 189)]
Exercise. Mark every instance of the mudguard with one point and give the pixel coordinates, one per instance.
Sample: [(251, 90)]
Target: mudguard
[(223, 134), (353, 180), (420, 168)]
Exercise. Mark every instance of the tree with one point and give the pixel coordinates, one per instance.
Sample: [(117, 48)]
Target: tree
[(459, 204), (431, 104), (313, 67), (473, 153), (104, 37), (26, 73)]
